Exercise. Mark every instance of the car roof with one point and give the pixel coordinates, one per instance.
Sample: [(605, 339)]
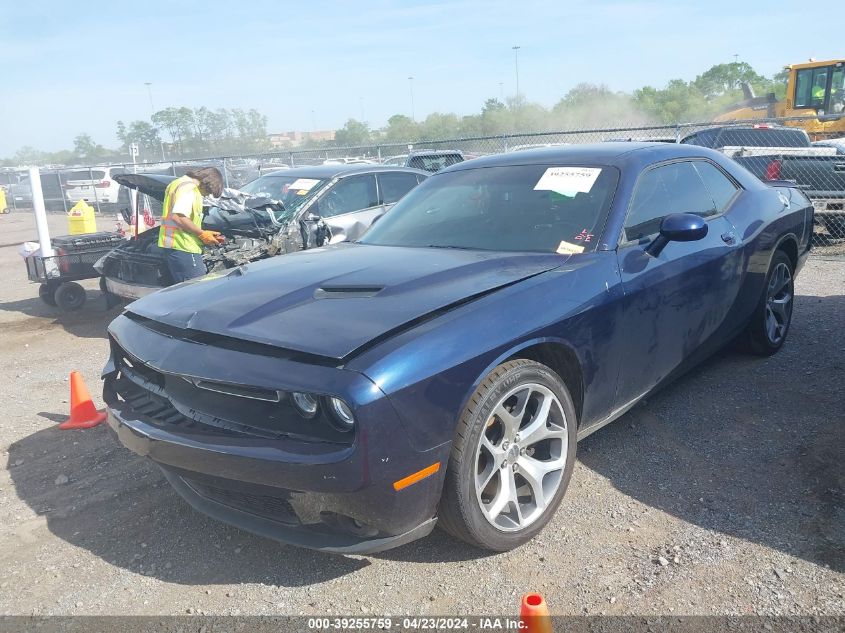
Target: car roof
[(607, 153), (749, 126), (429, 152), (340, 169)]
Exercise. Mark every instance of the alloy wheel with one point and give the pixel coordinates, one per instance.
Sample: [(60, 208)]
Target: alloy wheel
[(521, 457), (779, 297)]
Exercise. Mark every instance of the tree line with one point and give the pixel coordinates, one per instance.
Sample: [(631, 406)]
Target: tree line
[(182, 132), (171, 133), (585, 106)]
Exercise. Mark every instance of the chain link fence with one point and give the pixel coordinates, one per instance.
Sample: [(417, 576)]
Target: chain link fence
[(772, 149)]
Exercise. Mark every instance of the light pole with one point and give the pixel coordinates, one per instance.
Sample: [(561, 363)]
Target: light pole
[(149, 85), (411, 86), (516, 66)]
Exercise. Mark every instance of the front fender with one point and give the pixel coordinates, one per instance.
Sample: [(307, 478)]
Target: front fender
[(430, 371)]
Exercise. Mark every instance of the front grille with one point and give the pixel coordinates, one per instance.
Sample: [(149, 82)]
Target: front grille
[(212, 408), (142, 401), (274, 508)]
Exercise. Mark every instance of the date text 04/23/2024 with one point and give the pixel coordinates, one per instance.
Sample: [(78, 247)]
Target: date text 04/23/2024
[(415, 623)]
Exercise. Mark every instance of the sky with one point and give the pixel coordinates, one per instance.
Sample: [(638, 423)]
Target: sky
[(79, 67)]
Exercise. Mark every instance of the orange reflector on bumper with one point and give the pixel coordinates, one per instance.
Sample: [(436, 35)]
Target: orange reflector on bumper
[(417, 476)]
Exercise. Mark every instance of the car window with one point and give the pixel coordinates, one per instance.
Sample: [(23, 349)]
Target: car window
[(763, 137), (672, 188), (353, 193), (434, 162), (93, 174), (705, 138), (395, 184), (292, 191), (721, 188), (534, 208)]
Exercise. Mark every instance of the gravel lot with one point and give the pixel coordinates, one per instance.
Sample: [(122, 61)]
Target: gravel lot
[(723, 494)]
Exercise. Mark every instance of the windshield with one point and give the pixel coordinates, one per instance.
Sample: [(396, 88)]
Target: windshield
[(293, 191), (434, 162), (94, 174), (763, 137), (538, 208)]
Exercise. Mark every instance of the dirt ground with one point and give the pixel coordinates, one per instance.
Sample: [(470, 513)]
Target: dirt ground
[(723, 494)]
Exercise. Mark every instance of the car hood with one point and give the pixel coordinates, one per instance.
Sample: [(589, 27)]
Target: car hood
[(151, 184), (331, 302)]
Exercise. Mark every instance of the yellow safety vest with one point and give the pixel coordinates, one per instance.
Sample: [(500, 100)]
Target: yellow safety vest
[(169, 234)]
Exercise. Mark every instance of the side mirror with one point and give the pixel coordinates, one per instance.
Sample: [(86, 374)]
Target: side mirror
[(678, 227)]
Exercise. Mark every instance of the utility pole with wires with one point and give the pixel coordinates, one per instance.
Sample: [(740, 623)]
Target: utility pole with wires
[(149, 86), (411, 87)]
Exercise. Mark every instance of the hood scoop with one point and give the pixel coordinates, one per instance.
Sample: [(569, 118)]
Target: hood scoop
[(347, 292)]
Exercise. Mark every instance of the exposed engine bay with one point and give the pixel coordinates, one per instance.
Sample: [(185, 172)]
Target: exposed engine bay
[(249, 223)]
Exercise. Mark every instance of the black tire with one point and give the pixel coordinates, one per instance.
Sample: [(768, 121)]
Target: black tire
[(46, 294), (460, 511), (761, 337), (70, 296)]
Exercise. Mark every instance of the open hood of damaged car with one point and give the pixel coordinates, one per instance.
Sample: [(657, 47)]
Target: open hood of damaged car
[(331, 302), (232, 200), (233, 213), (151, 184)]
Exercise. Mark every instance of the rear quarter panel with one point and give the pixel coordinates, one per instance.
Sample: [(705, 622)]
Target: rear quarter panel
[(767, 219)]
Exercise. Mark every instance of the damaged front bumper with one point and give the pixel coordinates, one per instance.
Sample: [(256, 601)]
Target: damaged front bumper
[(247, 462)]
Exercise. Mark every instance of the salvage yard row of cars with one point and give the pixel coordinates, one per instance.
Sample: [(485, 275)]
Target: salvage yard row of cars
[(64, 187), (282, 212), (439, 365)]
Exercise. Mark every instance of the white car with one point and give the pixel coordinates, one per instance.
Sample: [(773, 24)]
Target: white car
[(92, 185)]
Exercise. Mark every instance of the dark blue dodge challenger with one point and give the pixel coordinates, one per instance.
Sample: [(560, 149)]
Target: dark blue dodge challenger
[(443, 368)]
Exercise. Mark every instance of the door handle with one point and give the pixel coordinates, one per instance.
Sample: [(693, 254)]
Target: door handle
[(729, 238)]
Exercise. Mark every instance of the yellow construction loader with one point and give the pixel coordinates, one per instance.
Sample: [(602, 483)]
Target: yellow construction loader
[(815, 90)]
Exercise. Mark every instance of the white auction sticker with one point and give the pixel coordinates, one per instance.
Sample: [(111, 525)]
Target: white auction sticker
[(568, 248), (568, 180), (303, 184)]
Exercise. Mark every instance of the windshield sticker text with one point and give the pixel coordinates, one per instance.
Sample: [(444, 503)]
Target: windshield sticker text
[(568, 248), (568, 180), (303, 184)]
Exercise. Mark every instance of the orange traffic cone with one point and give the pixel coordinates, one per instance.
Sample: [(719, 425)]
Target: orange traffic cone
[(83, 414), (534, 614)]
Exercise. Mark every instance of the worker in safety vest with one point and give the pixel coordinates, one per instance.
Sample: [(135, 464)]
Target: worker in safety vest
[(181, 232)]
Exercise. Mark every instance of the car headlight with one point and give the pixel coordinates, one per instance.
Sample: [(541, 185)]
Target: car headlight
[(305, 403), (342, 414)]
